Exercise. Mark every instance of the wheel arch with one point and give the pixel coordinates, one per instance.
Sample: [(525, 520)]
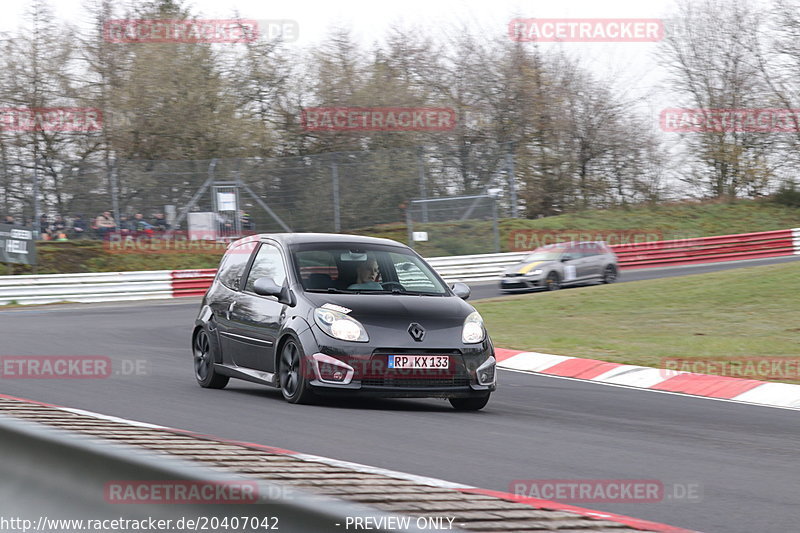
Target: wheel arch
[(299, 330)]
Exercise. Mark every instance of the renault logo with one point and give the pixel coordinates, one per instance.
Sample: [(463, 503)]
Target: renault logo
[(416, 331)]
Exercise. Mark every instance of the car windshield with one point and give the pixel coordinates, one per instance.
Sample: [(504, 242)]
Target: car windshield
[(364, 269), (553, 254)]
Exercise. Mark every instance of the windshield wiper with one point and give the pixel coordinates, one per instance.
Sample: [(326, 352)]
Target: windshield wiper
[(334, 290)]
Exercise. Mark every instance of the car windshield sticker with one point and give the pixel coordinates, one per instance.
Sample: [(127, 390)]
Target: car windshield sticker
[(334, 307)]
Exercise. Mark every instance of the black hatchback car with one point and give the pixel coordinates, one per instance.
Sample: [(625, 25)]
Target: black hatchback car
[(325, 314)]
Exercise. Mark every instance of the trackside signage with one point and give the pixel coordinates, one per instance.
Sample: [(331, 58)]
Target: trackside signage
[(17, 245)]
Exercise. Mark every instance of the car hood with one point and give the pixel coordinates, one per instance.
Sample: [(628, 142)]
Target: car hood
[(388, 317), (526, 267), (368, 307)]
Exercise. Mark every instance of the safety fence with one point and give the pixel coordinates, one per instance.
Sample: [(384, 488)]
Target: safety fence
[(121, 286)]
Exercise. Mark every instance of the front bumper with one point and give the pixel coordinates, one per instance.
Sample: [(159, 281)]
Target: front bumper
[(521, 283), (471, 372)]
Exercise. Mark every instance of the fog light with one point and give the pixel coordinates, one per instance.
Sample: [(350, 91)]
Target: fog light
[(486, 372), (331, 370)]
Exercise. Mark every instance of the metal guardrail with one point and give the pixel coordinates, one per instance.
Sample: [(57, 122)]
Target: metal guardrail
[(120, 286), (87, 288), (708, 249), (51, 475)]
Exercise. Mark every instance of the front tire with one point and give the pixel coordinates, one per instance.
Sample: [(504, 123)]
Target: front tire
[(610, 274), (474, 403), (552, 282), (292, 371), (204, 359)]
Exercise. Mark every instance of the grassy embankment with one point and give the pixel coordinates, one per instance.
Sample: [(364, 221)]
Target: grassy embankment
[(742, 313)]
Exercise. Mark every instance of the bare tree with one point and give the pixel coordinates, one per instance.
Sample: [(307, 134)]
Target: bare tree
[(713, 69)]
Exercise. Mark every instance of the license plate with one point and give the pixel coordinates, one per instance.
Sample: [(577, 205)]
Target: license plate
[(419, 361)]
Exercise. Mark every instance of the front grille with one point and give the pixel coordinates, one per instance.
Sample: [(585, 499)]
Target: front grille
[(416, 382), (517, 285), (455, 376), (514, 275)]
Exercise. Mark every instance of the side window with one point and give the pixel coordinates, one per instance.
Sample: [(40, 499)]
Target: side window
[(412, 276), (572, 253), (318, 269), (588, 250), (232, 266), (268, 263)]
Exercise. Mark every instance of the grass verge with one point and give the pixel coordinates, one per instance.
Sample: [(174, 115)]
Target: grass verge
[(743, 313)]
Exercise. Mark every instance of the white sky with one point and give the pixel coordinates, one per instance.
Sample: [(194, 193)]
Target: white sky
[(632, 65)]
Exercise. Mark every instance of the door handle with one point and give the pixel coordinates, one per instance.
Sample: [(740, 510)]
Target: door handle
[(230, 309)]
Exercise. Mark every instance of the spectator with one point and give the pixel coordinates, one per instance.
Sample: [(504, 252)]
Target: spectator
[(104, 224), (160, 222), (10, 220), (78, 227), (140, 224), (44, 227), (126, 225), (247, 222), (59, 226)]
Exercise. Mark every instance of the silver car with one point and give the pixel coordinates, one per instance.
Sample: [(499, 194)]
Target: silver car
[(558, 265)]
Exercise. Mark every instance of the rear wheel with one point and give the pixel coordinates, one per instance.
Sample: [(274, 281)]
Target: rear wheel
[(552, 282), (204, 358), (610, 274), (474, 403), (292, 372)]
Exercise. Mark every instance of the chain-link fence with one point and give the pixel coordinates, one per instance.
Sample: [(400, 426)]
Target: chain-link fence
[(366, 191), (455, 225)]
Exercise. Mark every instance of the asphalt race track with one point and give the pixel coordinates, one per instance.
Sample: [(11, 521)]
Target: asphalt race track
[(743, 459)]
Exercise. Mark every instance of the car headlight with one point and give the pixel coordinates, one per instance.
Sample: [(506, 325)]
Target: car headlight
[(473, 331), (339, 325), (536, 272)]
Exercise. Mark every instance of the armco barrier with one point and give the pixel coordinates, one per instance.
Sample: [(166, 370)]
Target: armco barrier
[(117, 286), (192, 282), (708, 249), (86, 288), (53, 475)]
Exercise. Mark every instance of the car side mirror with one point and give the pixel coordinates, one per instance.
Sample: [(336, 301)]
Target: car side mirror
[(267, 287), (461, 290), (566, 258)]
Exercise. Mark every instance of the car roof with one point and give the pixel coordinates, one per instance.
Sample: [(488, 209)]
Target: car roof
[(564, 245), (311, 238)]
